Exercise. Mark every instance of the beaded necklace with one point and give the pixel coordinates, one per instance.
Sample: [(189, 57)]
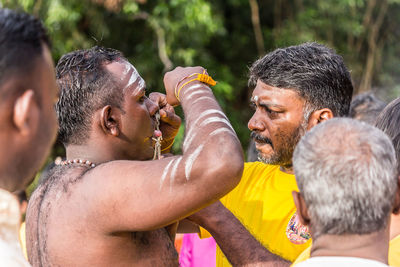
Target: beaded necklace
[(78, 161)]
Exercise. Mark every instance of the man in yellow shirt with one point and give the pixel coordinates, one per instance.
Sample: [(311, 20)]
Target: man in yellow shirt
[(295, 89)]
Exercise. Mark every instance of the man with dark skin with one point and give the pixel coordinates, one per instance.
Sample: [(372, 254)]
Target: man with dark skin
[(28, 91), (295, 88), (109, 194)]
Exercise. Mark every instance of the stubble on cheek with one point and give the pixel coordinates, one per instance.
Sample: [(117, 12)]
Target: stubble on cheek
[(283, 147)]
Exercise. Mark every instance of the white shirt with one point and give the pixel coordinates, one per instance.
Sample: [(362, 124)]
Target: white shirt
[(10, 219), (340, 261)]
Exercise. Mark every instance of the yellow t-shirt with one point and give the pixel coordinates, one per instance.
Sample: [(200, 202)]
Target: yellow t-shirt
[(264, 204), (394, 253), (22, 239)]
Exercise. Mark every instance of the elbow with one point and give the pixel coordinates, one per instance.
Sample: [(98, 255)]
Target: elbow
[(227, 169)]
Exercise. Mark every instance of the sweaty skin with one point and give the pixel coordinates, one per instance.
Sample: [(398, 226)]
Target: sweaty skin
[(123, 212)]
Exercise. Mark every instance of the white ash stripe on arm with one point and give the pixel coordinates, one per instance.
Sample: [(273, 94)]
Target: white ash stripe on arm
[(190, 139), (197, 86), (191, 94), (203, 114), (217, 119), (202, 99), (190, 133), (191, 136), (191, 159), (165, 172), (221, 130), (173, 171)]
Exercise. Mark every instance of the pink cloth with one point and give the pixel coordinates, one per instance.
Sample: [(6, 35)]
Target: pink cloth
[(196, 252)]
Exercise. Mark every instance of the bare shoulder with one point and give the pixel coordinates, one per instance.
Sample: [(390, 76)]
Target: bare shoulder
[(119, 174)]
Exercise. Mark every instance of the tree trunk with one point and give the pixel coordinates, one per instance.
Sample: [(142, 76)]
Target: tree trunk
[(255, 19), (366, 22), (366, 80)]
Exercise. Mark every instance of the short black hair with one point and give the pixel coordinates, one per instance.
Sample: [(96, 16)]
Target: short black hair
[(313, 70), (388, 121), (85, 86), (22, 37), (366, 107)]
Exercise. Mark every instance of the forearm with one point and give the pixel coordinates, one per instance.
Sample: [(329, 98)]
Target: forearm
[(205, 119), (185, 227), (236, 242), (209, 139)]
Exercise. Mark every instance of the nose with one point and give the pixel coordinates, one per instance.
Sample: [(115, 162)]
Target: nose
[(255, 123), (152, 107)]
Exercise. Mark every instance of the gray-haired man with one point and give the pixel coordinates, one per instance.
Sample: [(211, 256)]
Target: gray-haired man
[(347, 177)]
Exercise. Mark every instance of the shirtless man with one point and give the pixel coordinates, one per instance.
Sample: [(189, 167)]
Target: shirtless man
[(118, 203)]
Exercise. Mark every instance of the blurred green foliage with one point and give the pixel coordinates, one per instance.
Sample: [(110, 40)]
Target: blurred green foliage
[(220, 35)]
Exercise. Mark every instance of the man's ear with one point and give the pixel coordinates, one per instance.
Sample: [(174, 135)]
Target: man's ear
[(319, 116), (396, 205), (302, 211), (110, 120), (26, 112)]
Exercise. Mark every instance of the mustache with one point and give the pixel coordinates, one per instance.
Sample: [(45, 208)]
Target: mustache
[(259, 138)]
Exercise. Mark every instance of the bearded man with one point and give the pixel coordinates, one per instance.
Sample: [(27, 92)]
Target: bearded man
[(295, 88)]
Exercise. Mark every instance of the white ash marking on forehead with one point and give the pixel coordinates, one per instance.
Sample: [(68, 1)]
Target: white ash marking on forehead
[(135, 76), (127, 68), (254, 98), (140, 86)]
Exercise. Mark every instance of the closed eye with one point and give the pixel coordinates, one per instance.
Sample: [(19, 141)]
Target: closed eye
[(270, 110)]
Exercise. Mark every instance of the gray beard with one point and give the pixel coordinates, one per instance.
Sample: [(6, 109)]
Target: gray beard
[(283, 157)]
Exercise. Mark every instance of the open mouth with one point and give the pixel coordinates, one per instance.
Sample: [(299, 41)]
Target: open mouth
[(261, 145), (260, 140)]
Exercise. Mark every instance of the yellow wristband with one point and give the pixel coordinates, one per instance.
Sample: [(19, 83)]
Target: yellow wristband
[(202, 77)]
